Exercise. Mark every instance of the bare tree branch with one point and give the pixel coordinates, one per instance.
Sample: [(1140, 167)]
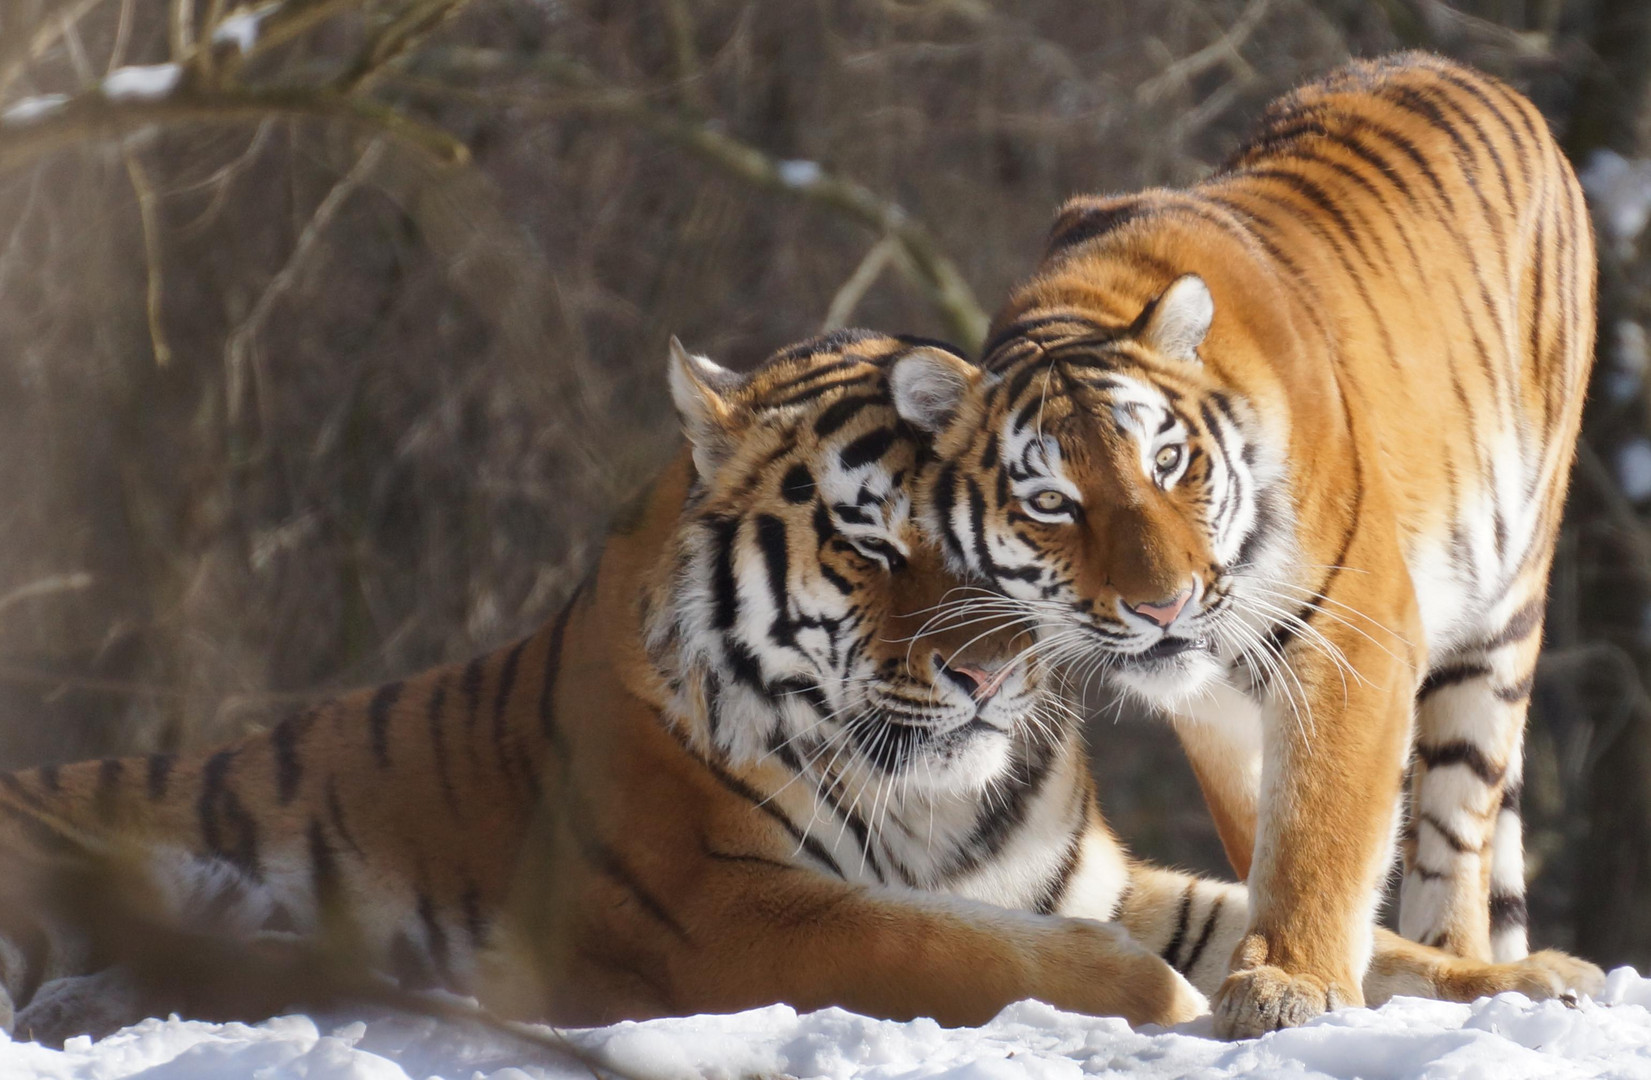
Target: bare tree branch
[(91, 115), (931, 269)]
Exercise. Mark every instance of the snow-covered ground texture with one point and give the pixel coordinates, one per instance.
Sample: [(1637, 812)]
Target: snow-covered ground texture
[(1495, 1039)]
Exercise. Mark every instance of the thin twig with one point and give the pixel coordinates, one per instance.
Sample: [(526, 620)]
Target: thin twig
[(401, 35), (148, 216), (238, 346), (18, 48), (91, 115), (854, 289), (1222, 50), (931, 269), (71, 582)]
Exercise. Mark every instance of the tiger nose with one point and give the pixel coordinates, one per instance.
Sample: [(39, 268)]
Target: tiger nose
[(1164, 611), (980, 683)]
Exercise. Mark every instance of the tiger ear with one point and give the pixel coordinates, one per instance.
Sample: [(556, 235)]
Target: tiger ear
[(929, 386), (1177, 321), (699, 388)]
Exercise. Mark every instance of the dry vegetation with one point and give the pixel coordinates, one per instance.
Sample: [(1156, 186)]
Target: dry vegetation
[(331, 363)]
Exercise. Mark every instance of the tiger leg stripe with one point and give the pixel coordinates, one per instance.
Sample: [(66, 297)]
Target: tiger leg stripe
[(1464, 884)]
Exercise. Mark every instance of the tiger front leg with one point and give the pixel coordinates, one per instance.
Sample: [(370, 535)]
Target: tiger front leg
[(1335, 731)]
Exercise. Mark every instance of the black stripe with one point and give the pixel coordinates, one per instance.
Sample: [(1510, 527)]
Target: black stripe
[(335, 810), (227, 830), (1518, 691), (739, 787), (49, 778), (1507, 911), (867, 448), (1519, 626), (378, 721), (771, 538), (553, 669), (1511, 796), (289, 770), (725, 531), (1071, 229), (109, 772), (1055, 891), (1457, 844), (1452, 675), (797, 485), (1181, 920), (159, 769), (818, 389), (471, 685), (840, 412), (1204, 937), (611, 866), (1460, 752), (438, 745), (501, 701), (323, 873)]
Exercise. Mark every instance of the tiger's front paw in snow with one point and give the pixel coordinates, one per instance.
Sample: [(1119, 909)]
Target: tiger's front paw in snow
[(1257, 1000)]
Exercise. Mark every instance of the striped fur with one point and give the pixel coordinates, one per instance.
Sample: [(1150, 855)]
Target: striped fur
[(1285, 454), (733, 770)]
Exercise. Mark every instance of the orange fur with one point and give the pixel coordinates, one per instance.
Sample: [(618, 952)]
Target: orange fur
[(1331, 396)]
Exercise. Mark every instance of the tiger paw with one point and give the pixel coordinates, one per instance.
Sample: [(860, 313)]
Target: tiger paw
[(1257, 1000), (1552, 974)]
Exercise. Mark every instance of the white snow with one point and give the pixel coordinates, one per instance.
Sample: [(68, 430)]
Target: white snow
[(240, 27), (797, 173), (142, 82), (1502, 1038), (33, 108)]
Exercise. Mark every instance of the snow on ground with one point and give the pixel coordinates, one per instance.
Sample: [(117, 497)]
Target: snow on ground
[(1501, 1038)]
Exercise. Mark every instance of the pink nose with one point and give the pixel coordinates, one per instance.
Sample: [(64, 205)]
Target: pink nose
[(1165, 612), (986, 682)]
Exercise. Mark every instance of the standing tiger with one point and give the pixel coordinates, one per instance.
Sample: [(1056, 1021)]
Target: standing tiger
[(746, 764), (1284, 453)]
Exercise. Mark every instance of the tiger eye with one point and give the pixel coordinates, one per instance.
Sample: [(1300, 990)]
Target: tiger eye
[(1168, 457), (1050, 502)]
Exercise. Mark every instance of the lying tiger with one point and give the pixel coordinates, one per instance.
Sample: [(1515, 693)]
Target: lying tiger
[(745, 764)]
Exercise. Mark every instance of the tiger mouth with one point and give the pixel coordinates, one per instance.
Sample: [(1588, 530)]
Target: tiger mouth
[(1166, 648)]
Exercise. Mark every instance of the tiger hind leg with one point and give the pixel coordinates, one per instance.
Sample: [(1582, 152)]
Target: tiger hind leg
[(1464, 875)]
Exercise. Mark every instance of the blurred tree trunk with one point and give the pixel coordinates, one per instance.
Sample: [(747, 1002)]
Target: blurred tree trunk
[(1614, 863)]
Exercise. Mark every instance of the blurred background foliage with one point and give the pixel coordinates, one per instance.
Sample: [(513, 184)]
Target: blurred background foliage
[(332, 331)]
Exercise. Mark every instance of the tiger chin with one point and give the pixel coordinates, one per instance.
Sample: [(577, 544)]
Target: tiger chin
[(770, 751)]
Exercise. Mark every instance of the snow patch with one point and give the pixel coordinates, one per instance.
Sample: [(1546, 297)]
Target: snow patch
[(31, 109), (797, 173), (143, 82), (1502, 1038), (241, 27)]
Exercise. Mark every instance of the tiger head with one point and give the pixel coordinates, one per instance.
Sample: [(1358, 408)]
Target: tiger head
[(1104, 479), (800, 617)]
